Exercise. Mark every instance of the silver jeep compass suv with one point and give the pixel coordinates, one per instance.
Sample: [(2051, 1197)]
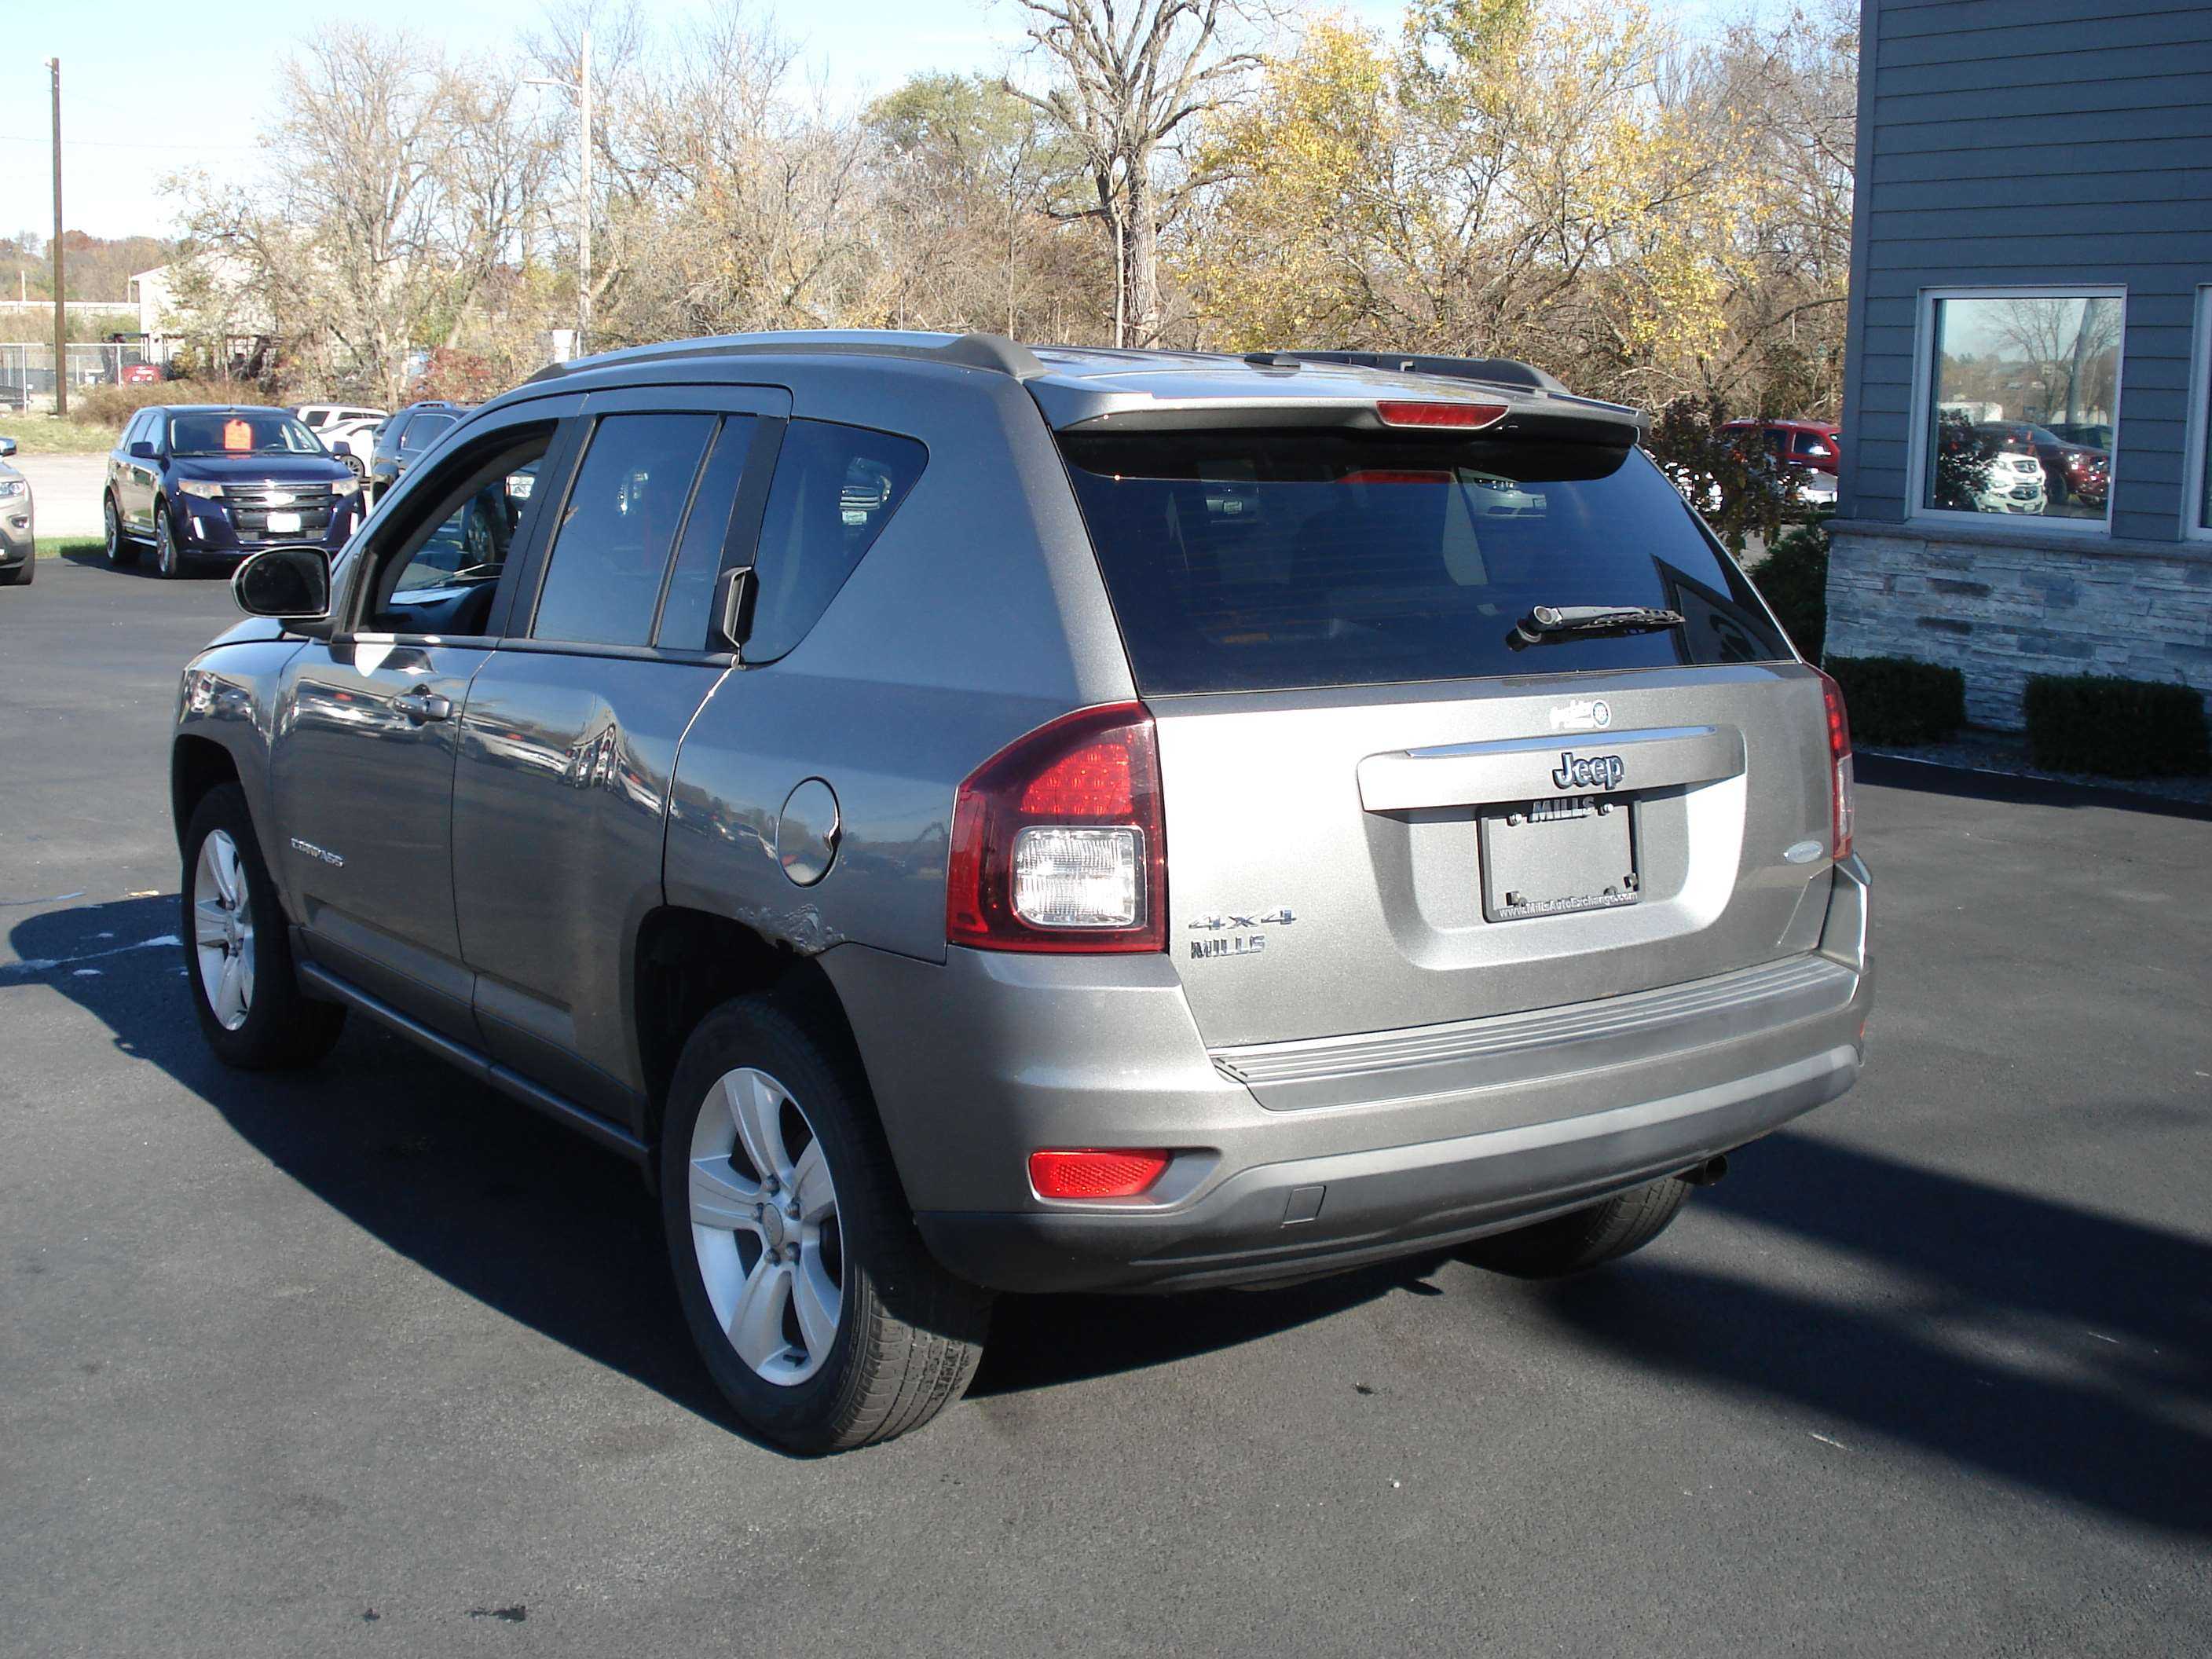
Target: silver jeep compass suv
[(964, 817)]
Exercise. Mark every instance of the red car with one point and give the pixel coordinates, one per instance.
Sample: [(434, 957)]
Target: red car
[(140, 374), (2072, 471), (1815, 445)]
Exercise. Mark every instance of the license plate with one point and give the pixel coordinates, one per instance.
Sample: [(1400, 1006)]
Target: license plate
[(282, 522), (1556, 856)]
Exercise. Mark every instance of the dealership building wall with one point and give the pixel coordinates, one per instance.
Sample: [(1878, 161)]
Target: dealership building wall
[(2031, 254)]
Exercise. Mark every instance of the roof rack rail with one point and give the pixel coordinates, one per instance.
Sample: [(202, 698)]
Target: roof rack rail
[(993, 352), (1495, 371)]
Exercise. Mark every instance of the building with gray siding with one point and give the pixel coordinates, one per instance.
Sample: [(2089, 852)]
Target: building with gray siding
[(2026, 392)]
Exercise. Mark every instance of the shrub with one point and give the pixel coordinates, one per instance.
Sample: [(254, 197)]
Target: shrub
[(1793, 580), (1897, 700), (112, 406), (2119, 729)]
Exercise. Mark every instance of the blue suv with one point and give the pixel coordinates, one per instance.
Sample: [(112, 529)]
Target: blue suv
[(220, 482)]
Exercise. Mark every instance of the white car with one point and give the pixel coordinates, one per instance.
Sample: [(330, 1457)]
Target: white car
[(351, 424), (2012, 483)]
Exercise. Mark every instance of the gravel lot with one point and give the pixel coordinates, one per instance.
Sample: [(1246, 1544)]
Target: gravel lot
[(372, 1360)]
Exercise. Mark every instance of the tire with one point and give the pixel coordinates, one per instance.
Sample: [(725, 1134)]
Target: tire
[(273, 1025), (23, 575), (122, 551), (1582, 1239), (168, 559), (907, 1334)]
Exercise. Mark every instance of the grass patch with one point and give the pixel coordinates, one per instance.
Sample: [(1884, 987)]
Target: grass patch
[(52, 547), (42, 435)]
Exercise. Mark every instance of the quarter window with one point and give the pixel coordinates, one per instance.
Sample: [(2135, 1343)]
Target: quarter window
[(619, 526), (2001, 371), (836, 489)]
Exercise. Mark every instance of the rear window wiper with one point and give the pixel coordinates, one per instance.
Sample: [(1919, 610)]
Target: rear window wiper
[(1551, 621)]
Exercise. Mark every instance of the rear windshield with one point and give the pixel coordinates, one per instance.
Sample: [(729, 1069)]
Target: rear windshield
[(1242, 560)]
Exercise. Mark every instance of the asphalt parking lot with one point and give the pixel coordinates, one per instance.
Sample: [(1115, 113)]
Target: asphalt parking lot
[(371, 1359)]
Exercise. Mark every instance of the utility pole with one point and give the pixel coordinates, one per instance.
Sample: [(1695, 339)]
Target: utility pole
[(580, 89), (61, 304)]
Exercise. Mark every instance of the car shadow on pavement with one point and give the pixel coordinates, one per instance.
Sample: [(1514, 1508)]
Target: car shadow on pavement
[(2011, 789), (2052, 1347), (2045, 1345), (523, 1215), (94, 557)]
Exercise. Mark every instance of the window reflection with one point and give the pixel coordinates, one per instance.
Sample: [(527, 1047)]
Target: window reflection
[(2022, 410)]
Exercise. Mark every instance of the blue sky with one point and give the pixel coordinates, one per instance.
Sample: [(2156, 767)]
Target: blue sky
[(149, 87)]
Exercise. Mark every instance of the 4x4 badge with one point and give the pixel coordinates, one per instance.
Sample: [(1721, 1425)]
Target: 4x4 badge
[(1216, 924)]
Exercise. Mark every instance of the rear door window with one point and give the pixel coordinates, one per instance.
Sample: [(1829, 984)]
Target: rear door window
[(423, 431), (618, 527), (684, 612), (1251, 560), (836, 489)]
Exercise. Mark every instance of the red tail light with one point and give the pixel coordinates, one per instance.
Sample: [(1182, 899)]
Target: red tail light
[(1438, 414), (1842, 809), (1059, 841), (1095, 1172)]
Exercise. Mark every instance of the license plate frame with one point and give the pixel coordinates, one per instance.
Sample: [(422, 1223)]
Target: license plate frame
[(284, 524), (1558, 856)]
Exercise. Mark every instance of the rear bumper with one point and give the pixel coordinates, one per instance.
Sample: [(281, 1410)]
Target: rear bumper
[(1315, 1215), (1343, 1152)]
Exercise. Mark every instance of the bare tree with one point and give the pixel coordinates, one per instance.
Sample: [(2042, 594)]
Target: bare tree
[(1131, 76)]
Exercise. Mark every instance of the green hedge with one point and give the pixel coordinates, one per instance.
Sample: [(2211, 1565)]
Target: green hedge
[(2115, 728), (1897, 700), (1793, 580)]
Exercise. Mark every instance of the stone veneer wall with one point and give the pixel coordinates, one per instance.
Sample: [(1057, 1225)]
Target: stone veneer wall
[(2001, 608)]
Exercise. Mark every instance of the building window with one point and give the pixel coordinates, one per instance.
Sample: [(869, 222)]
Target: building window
[(2197, 483), (2018, 403)]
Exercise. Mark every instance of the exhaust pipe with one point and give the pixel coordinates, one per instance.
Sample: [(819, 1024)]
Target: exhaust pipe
[(1707, 1174)]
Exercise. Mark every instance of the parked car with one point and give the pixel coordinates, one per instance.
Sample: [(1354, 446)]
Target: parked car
[(140, 374), (2071, 470), (2096, 435), (1808, 446), (353, 441), (218, 481), (405, 437), (971, 819), (19, 551), (1979, 470)]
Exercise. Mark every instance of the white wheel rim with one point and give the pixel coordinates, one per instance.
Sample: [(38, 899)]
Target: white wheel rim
[(764, 1225), (222, 930)]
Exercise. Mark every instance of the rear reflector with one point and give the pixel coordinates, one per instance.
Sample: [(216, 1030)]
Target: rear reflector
[(1095, 1172), (1439, 414)]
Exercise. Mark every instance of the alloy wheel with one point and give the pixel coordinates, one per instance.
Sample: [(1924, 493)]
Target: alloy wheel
[(222, 930), (114, 528), (765, 1227), (164, 543)]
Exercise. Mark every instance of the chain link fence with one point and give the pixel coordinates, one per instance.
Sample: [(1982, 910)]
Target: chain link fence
[(27, 372)]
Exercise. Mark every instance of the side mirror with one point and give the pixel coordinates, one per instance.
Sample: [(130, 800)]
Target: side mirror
[(6, 447), (141, 451), (340, 449), (292, 583), (733, 608)]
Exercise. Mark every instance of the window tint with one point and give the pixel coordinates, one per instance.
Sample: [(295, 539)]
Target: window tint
[(836, 489), (1809, 443), (619, 526), (424, 430), (2003, 368), (706, 532), (240, 432), (438, 576), (1253, 560)]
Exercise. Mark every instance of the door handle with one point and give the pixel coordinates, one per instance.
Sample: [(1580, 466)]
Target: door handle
[(423, 706)]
